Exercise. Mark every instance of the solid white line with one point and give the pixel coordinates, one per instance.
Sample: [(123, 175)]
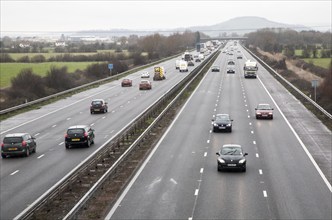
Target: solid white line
[(205, 154), (202, 170), (40, 156), (13, 173), (265, 193), (260, 172), (257, 155), (196, 192), (300, 141)]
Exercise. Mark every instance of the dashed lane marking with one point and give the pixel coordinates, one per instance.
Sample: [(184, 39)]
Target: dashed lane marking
[(13, 173), (40, 156), (257, 155), (61, 143), (260, 172), (196, 192), (202, 170), (205, 154), (265, 193)]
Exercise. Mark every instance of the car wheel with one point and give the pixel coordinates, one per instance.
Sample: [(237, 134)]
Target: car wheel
[(244, 169), (214, 130), (230, 129), (271, 117), (67, 146), (34, 149), (257, 117), (91, 112), (88, 144), (92, 141), (105, 110), (3, 156)]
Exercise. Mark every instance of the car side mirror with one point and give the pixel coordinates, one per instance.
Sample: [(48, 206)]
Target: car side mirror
[(212, 119), (272, 109), (245, 154), (218, 153), (255, 108), (232, 119), (33, 138)]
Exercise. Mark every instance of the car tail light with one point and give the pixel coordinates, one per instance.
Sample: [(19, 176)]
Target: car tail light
[(24, 144), (2, 145), (85, 134), (66, 135)]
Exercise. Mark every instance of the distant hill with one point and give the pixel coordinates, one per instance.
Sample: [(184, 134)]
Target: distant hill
[(239, 25), (242, 25)]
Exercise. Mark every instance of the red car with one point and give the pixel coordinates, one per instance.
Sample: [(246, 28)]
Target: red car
[(264, 111), (145, 84), (126, 82)]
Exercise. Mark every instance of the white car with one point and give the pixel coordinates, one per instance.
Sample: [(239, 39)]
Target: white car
[(145, 74)]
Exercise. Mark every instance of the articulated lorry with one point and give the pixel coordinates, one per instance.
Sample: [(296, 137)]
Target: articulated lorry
[(159, 73), (250, 69)]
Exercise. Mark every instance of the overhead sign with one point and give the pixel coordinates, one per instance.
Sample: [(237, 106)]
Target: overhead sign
[(110, 66)]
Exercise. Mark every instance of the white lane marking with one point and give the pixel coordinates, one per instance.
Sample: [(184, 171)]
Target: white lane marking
[(208, 141), (260, 172), (13, 173), (81, 112), (257, 155), (210, 131), (173, 181), (191, 218), (205, 154), (196, 192), (68, 119), (299, 140), (246, 105), (202, 170), (61, 143), (247, 110), (92, 124), (40, 156), (111, 131), (265, 193), (104, 117), (254, 142), (252, 132), (53, 126), (216, 105), (106, 136), (215, 109), (37, 134), (248, 116), (113, 111), (245, 100), (128, 102), (250, 123), (121, 106)]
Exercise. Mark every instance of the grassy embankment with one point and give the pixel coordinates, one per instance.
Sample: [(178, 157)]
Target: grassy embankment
[(322, 62), (10, 70)]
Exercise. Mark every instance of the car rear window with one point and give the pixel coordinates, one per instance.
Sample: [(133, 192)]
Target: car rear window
[(9, 140), (97, 102), (76, 131)]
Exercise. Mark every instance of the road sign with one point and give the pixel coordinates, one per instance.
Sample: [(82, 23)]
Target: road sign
[(110, 66)]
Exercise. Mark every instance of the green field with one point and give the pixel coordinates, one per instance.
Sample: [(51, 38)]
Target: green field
[(322, 62), (9, 70)]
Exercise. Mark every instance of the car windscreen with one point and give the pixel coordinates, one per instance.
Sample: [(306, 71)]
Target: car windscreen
[(97, 103), (264, 107), (9, 140), (231, 151), (75, 131)]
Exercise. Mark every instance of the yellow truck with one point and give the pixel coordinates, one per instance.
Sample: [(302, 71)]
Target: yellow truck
[(159, 73)]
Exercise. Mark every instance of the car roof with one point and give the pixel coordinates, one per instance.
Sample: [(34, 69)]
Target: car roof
[(222, 115), (77, 126), (231, 145), (94, 100), (16, 135), (145, 81)]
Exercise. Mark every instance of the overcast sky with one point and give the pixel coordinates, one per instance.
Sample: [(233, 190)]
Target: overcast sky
[(47, 15)]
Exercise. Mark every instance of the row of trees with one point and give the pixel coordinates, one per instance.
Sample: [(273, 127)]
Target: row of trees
[(287, 41)]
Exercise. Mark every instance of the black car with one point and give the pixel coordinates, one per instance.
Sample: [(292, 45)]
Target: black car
[(231, 156), (79, 135), (230, 62), (230, 69), (215, 69), (222, 122), (191, 63), (98, 105), (18, 144)]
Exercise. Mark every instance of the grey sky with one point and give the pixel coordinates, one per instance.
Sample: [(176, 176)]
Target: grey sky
[(38, 15)]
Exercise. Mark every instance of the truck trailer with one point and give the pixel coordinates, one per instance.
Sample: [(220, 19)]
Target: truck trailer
[(159, 73), (250, 69)]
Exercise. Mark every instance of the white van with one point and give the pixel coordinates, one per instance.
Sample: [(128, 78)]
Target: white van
[(183, 66), (177, 64)]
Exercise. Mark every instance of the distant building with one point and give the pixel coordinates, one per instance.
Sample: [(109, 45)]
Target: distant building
[(60, 44)]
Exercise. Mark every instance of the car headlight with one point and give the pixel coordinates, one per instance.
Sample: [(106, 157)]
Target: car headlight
[(221, 160), (242, 160), (228, 125), (215, 125)]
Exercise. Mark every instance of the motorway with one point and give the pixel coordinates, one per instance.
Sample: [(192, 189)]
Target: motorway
[(179, 180), (23, 180)]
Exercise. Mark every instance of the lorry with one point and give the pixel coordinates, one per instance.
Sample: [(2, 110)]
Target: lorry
[(250, 69), (183, 66), (187, 57), (159, 73)]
